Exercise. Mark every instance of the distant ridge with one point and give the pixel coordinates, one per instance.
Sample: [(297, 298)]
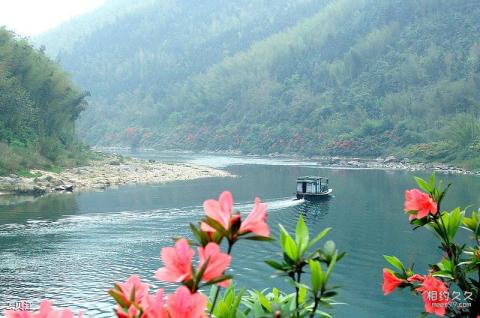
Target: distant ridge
[(345, 77)]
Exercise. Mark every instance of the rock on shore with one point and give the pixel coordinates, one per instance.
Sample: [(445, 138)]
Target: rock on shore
[(102, 174)]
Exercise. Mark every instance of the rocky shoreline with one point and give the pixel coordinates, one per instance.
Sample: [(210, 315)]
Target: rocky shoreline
[(391, 163), (387, 163), (114, 170), (100, 174)]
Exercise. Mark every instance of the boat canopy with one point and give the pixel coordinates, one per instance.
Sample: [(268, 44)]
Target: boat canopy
[(312, 184), (312, 179)]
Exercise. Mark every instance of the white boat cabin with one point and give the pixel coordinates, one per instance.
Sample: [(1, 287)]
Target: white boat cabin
[(312, 185)]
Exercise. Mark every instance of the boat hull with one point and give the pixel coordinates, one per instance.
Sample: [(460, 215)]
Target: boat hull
[(314, 196)]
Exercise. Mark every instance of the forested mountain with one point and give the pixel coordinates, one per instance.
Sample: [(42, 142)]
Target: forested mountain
[(344, 77), (38, 107)]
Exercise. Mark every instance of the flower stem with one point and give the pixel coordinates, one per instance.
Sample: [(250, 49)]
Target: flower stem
[(444, 234), (297, 292), (315, 304), (230, 245)]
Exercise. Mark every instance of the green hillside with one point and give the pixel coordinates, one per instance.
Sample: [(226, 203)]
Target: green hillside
[(38, 107), (346, 77)]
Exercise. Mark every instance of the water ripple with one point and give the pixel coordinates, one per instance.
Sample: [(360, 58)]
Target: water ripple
[(79, 256)]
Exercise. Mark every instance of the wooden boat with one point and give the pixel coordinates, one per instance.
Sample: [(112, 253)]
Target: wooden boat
[(312, 187)]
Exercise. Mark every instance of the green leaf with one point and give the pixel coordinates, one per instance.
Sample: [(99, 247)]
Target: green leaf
[(419, 222), (301, 235), (323, 314), (289, 246), (330, 266), (318, 237), (118, 298), (302, 294), (219, 279), (394, 262), (330, 294), (259, 238), (283, 235), (449, 222), (446, 265), (238, 299), (437, 230), (217, 226), (196, 232), (439, 196), (423, 185), (275, 294), (431, 181), (455, 219), (276, 265), (317, 276), (213, 291), (472, 223), (341, 255), (442, 274), (264, 301), (203, 268)]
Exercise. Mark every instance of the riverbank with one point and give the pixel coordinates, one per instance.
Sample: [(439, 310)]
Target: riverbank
[(110, 170), (391, 163), (385, 163)]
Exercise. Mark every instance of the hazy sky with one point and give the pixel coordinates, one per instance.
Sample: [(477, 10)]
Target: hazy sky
[(30, 17)]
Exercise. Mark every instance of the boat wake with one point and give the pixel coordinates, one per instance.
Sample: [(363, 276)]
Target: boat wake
[(85, 222), (283, 203)]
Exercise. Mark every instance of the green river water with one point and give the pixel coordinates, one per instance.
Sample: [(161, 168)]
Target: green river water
[(71, 248)]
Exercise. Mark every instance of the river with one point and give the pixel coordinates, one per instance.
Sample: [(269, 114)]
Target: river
[(71, 248)]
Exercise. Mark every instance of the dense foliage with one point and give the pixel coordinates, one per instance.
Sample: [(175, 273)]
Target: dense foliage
[(38, 107), (343, 77), (450, 288)]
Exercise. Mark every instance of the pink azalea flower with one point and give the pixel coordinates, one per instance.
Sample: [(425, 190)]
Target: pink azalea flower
[(18, 314), (46, 311), (184, 304), (133, 283), (435, 295), (416, 200), (416, 278), (256, 221), (154, 306), (177, 261), (22, 312), (217, 264), (390, 281), (221, 211)]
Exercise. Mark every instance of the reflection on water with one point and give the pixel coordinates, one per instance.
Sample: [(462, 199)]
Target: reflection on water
[(29, 209), (315, 209), (71, 248), (8, 199)]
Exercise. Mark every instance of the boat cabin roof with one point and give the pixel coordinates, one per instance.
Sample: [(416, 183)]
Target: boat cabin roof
[(311, 179)]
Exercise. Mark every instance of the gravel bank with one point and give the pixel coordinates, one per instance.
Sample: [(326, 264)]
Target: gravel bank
[(101, 174)]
